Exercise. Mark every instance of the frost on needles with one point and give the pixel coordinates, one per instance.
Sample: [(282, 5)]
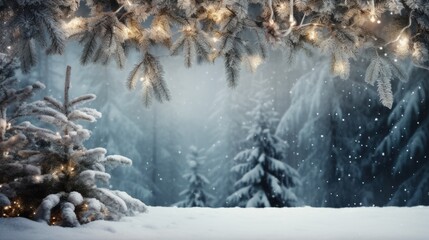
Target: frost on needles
[(47, 174), (235, 31)]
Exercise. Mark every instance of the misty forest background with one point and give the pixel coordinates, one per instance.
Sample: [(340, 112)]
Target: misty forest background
[(348, 149)]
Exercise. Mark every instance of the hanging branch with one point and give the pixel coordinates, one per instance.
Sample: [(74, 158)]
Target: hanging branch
[(113, 27)]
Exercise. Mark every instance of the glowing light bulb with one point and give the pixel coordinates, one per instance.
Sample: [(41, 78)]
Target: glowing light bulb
[(146, 82), (189, 30), (372, 18), (403, 41), (402, 46), (215, 39), (312, 34), (37, 179)]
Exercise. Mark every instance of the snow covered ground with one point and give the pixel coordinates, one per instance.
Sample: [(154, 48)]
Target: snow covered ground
[(236, 223)]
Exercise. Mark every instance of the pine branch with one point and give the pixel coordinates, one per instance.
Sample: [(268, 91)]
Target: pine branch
[(134, 74), (89, 48), (81, 100)]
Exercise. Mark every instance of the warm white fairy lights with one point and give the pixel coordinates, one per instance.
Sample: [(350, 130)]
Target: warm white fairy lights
[(37, 179), (312, 34), (402, 47), (189, 30)]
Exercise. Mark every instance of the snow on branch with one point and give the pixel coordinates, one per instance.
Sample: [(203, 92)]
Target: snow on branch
[(46, 173), (116, 160), (234, 30)]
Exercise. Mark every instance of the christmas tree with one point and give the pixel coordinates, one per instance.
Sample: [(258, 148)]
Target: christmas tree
[(61, 182)]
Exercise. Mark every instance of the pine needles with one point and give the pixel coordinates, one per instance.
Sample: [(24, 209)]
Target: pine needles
[(382, 71), (151, 75), (203, 31), (103, 39)]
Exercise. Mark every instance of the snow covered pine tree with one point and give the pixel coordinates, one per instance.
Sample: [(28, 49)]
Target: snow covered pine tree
[(265, 180), (195, 194), (62, 189)]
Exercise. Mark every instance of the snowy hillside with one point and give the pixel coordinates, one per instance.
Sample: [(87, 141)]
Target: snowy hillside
[(238, 223)]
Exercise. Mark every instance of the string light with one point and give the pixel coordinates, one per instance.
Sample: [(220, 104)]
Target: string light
[(16, 209), (215, 39), (403, 41), (189, 30), (37, 179), (402, 46), (217, 14), (146, 82), (312, 34)]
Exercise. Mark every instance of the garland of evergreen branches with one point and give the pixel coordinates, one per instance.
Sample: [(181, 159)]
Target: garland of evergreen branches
[(236, 30)]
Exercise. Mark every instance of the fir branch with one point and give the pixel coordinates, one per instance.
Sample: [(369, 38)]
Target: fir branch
[(133, 76)]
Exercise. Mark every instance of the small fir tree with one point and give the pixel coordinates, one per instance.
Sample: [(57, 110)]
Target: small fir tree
[(63, 189), (195, 196), (264, 180)]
